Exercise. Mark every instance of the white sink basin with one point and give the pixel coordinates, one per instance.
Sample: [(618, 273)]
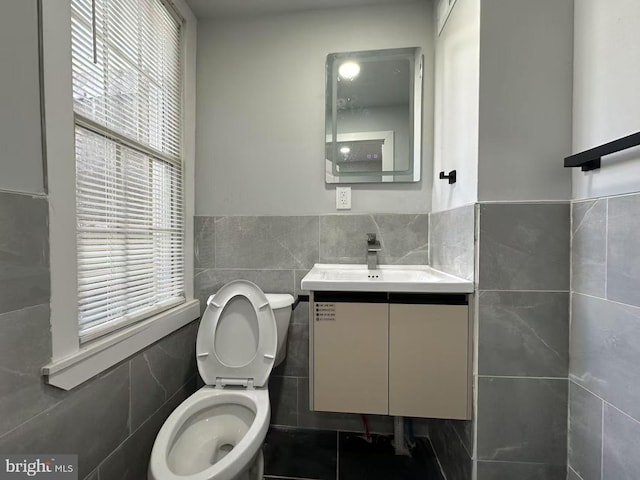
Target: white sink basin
[(386, 278)]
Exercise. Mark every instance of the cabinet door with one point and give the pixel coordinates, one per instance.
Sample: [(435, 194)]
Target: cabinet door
[(350, 352), (429, 361)]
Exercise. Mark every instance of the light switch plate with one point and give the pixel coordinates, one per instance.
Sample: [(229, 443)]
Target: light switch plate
[(343, 198)]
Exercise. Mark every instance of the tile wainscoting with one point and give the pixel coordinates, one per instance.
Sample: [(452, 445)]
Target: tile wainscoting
[(275, 252), (521, 253), (604, 398), (110, 421), (522, 346), (452, 244)]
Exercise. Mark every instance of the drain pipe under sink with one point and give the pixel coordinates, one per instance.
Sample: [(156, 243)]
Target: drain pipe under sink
[(399, 443)]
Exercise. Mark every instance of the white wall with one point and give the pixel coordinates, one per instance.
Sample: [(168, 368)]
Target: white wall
[(525, 99), (456, 106), (20, 132), (260, 109), (503, 101), (606, 96)]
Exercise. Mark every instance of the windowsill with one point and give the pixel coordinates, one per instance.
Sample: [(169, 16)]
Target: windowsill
[(99, 355)]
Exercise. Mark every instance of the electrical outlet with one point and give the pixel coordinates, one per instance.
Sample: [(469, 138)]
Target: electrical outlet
[(343, 198)]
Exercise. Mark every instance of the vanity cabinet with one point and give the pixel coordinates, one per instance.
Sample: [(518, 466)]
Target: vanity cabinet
[(351, 345), (429, 368), (401, 355)]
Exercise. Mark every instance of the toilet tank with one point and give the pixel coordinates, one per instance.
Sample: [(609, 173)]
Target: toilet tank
[(281, 304)]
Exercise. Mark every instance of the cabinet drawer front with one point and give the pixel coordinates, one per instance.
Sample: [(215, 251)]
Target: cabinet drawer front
[(350, 344), (429, 361)]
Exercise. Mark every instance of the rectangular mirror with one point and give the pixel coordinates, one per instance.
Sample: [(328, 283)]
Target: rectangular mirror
[(373, 116)]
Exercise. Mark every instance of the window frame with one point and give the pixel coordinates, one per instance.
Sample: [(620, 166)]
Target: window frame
[(73, 363)]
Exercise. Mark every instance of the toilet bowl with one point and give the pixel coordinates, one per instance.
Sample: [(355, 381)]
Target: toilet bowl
[(217, 432)]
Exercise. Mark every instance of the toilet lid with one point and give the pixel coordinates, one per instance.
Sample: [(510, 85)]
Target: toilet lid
[(237, 338)]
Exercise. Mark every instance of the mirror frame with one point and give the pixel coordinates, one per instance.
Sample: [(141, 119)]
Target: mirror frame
[(413, 173)]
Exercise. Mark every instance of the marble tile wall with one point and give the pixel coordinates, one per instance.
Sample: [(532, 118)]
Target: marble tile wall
[(454, 454), (452, 241), (523, 333), (110, 421), (604, 394), (275, 252), (523, 340), (452, 250), (24, 251)]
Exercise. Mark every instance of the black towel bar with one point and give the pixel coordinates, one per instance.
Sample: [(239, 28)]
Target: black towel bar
[(590, 159)]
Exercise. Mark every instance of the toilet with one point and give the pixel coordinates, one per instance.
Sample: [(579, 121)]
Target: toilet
[(217, 433)]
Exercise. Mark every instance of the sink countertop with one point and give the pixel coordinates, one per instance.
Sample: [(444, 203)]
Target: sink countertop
[(385, 278)]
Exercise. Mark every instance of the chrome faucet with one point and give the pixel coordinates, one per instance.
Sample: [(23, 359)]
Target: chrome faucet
[(373, 247)]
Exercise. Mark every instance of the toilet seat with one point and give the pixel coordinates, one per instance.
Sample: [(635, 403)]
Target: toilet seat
[(236, 346), (224, 349)]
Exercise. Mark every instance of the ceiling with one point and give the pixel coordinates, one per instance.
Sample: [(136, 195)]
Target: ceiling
[(238, 8)]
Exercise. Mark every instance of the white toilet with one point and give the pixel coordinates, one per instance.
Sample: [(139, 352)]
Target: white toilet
[(217, 432)]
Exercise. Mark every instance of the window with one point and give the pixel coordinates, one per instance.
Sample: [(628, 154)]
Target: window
[(118, 82), (126, 66)]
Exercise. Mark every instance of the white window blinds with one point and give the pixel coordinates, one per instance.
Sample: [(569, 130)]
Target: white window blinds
[(127, 94)]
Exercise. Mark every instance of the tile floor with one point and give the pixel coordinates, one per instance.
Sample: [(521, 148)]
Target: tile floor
[(298, 454)]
